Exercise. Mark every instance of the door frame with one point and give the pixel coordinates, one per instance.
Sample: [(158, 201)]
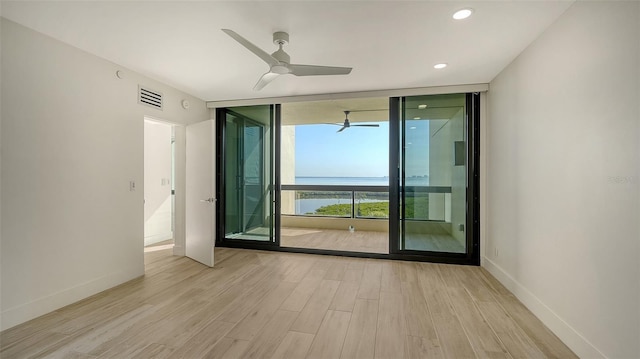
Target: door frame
[(274, 158), (179, 172)]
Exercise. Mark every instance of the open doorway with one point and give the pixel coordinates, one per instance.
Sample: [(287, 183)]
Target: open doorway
[(159, 190)]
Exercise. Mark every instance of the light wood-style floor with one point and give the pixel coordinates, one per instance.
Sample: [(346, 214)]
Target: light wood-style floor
[(364, 241), (334, 239), (257, 304)]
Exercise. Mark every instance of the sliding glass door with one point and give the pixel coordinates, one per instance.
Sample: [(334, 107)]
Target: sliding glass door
[(434, 176), (430, 212), (246, 174)]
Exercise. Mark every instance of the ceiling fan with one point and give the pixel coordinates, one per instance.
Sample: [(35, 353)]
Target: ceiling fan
[(279, 61), (347, 124)]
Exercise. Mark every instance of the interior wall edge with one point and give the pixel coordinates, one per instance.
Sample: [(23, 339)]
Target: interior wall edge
[(43, 305), (569, 335)]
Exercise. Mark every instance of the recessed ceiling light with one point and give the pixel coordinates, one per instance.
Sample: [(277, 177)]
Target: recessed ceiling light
[(422, 107), (439, 66), (412, 127), (462, 14), (416, 118)]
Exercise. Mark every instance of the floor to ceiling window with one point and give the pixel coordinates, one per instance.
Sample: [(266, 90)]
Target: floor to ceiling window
[(384, 177), (435, 179)]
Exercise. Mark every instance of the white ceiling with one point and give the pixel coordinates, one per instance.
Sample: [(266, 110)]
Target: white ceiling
[(389, 44)]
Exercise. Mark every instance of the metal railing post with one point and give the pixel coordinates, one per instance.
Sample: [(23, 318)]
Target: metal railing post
[(353, 204)]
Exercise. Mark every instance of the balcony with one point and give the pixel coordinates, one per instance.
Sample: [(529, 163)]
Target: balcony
[(356, 218)]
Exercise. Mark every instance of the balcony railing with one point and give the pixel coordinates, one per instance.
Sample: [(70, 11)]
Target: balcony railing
[(427, 203)]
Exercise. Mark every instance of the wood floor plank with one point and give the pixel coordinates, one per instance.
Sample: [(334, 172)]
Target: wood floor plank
[(76, 355), (481, 336), (200, 344), (360, 339), (514, 339), (391, 329), (453, 340), (268, 340), (295, 345), (331, 335), (355, 270), (155, 351), (462, 276), (390, 278), (418, 348), (303, 291), (90, 340), (314, 311), (545, 340), (227, 348), (345, 297), (423, 337), (370, 285), (337, 271), (301, 271), (34, 344), (256, 292), (263, 311)]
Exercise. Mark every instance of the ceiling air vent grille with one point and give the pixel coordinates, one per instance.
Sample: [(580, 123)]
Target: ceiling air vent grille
[(150, 97)]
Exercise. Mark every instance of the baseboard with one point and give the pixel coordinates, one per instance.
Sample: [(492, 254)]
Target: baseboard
[(33, 309), (178, 250), (156, 238), (574, 340)]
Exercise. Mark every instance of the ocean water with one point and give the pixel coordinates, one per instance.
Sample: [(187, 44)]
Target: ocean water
[(309, 205)]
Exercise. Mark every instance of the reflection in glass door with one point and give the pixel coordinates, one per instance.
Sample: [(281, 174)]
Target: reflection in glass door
[(433, 176), (248, 174)]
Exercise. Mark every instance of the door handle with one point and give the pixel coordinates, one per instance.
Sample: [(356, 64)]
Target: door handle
[(210, 200)]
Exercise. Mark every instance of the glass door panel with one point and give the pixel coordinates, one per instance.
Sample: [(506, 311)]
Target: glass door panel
[(248, 173), (433, 136)]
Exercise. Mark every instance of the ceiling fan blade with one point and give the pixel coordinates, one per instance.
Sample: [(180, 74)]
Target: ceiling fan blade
[(337, 124), (265, 80), (367, 125), (342, 129), (253, 48), (312, 70)]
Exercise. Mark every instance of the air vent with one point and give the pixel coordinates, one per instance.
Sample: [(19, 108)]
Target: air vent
[(150, 97)]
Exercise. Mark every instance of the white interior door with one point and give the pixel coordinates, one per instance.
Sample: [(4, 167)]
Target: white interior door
[(200, 206)]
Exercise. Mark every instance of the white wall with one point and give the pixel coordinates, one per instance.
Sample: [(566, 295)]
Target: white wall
[(72, 140), (288, 167), (563, 186), (157, 182)]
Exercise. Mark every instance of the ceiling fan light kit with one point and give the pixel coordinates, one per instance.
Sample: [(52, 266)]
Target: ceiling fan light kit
[(280, 62)]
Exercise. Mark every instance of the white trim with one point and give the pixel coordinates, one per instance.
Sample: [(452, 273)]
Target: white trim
[(484, 175), (574, 340), (439, 90), (180, 171), (33, 309), (178, 250), (156, 238)]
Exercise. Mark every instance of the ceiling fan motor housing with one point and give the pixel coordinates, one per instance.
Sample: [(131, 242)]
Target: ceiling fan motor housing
[(280, 38)]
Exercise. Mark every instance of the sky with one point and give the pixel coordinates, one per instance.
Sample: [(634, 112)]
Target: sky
[(354, 152), (357, 151)]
